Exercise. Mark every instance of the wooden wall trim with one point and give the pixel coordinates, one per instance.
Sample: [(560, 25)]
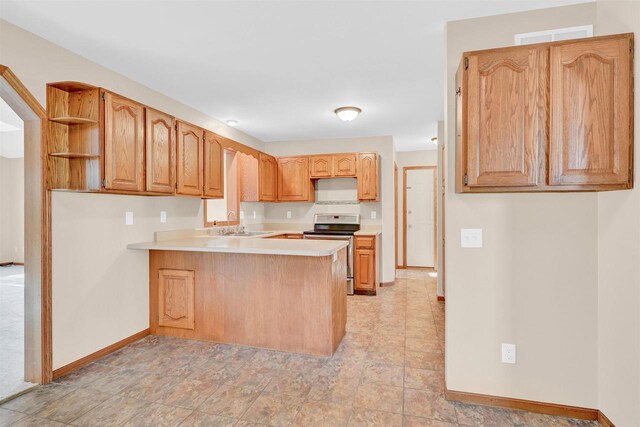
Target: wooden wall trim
[(395, 208), (525, 405), (38, 335), (64, 370), (604, 421)]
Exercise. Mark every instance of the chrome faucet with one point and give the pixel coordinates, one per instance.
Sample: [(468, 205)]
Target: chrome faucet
[(229, 215)]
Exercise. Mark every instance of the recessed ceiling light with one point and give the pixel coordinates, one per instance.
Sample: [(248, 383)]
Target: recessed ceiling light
[(232, 123), (347, 114), (6, 127)]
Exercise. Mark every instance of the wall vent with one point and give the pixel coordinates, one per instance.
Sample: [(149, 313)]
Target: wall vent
[(554, 35)]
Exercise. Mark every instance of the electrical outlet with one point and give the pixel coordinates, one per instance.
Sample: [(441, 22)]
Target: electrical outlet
[(508, 353), (128, 218), (374, 214), (163, 216), (241, 214), (471, 237), (288, 214), (255, 215)]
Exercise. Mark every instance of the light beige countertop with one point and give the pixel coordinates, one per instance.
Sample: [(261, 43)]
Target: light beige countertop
[(369, 230), (201, 241)]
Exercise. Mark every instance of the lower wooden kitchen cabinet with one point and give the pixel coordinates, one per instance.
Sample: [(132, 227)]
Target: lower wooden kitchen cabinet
[(366, 271), (176, 298), (288, 236)]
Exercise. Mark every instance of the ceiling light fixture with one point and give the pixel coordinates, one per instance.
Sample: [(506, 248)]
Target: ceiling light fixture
[(232, 123), (347, 114)]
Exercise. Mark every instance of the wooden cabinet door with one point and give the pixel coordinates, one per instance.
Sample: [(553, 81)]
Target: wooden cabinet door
[(267, 178), (160, 141), (293, 179), (213, 166), (123, 144), (189, 159), (344, 164), (368, 176), (591, 119), (506, 116), (365, 270), (176, 298), (321, 167)]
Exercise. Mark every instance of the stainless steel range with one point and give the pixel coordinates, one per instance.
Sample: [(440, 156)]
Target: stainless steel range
[(337, 227)]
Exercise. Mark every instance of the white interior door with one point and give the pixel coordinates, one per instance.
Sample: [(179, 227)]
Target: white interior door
[(420, 218)]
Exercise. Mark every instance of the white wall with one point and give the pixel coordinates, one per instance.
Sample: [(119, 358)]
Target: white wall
[(99, 287), (11, 209), (303, 212), (534, 283), (404, 159), (618, 263)]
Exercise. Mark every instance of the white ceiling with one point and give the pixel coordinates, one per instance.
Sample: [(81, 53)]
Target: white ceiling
[(11, 140), (278, 67)]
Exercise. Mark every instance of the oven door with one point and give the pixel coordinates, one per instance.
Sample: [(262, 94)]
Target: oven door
[(349, 239)]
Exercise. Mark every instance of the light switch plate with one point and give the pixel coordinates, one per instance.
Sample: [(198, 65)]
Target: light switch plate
[(508, 353), (288, 214), (241, 214), (163, 216), (374, 214), (471, 237), (255, 215), (128, 218)]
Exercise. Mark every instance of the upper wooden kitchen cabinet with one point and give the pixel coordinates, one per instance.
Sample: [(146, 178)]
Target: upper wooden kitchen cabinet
[(267, 178), (160, 141), (294, 183), (506, 110), (321, 166), (344, 165), (333, 165), (189, 159), (213, 166), (124, 143), (368, 177), (546, 117), (591, 113)]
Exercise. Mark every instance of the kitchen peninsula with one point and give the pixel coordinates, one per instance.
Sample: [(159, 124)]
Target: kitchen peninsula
[(280, 294)]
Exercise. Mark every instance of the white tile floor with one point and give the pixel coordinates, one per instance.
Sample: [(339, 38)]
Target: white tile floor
[(12, 332)]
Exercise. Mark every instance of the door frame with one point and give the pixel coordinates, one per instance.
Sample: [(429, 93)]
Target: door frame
[(38, 338), (395, 209), (435, 215)]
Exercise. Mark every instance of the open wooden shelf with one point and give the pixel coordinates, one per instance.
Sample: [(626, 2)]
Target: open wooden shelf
[(73, 121), (67, 155)]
